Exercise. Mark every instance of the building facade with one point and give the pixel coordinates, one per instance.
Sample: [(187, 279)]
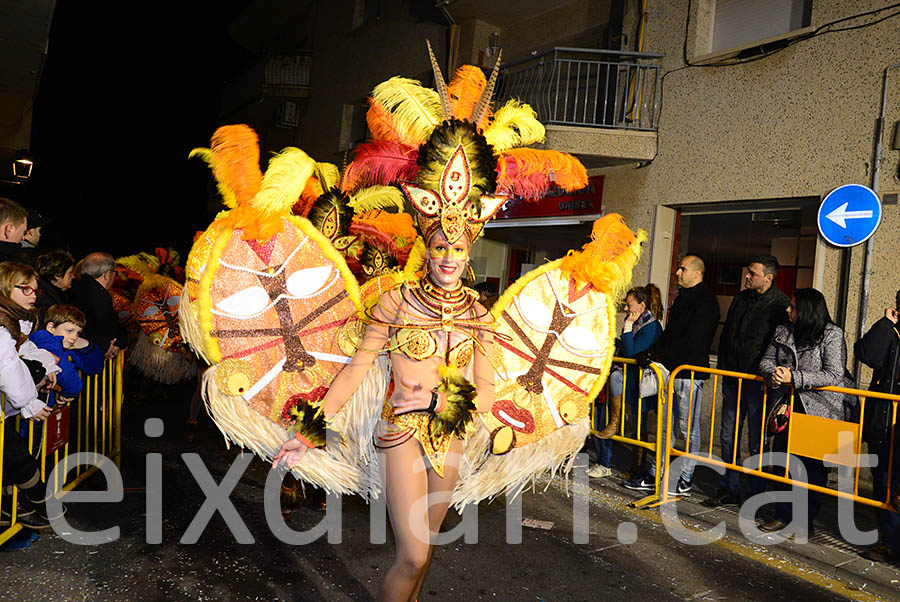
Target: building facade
[(716, 125)]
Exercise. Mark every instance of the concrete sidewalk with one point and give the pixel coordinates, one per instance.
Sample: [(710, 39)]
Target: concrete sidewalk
[(826, 550)]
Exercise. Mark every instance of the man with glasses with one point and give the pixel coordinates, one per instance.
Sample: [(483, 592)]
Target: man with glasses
[(90, 294)]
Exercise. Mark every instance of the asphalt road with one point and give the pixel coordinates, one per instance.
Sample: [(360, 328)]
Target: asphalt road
[(546, 565)]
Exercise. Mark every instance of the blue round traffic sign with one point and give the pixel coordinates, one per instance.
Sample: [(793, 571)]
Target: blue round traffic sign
[(849, 215)]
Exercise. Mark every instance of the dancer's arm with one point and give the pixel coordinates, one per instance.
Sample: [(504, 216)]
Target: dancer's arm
[(351, 376), (348, 379)]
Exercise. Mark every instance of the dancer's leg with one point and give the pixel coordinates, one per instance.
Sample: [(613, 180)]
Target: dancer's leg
[(406, 482), (437, 510)]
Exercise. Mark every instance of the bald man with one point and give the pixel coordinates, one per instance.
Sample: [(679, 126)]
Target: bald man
[(686, 339)]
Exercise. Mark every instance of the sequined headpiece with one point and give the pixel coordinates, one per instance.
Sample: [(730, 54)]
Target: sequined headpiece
[(455, 160)]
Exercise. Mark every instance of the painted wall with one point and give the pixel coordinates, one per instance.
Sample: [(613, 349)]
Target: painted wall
[(798, 123)]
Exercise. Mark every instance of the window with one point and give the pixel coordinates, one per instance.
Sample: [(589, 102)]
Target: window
[(739, 23), (366, 11), (354, 129)]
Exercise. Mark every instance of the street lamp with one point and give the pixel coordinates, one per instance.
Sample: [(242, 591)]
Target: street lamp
[(22, 165)]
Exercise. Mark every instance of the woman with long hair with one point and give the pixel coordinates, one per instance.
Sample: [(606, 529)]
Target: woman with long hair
[(808, 352), (18, 291), (642, 328), (55, 274)]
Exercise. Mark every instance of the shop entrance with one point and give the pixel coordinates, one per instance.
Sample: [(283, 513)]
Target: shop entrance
[(727, 235)]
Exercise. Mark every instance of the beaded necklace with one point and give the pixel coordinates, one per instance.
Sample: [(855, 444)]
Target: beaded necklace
[(447, 304)]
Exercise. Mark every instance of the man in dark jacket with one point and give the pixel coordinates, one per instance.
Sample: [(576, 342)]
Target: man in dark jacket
[(751, 320), (879, 349), (90, 294), (13, 223), (687, 338)]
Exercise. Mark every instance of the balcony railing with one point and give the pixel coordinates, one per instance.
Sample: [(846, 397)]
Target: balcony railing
[(586, 87), (288, 70)]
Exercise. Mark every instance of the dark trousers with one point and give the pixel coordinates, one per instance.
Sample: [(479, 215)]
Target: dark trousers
[(19, 466), (751, 412), (816, 474), (888, 522)]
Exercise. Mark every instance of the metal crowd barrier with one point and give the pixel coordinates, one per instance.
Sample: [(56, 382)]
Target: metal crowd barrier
[(807, 436), (637, 439), (94, 426)]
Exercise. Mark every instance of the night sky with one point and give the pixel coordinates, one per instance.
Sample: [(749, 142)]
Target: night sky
[(128, 89)]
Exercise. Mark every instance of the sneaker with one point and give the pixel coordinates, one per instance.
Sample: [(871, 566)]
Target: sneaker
[(682, 488), (776, 525), (33, 520), (723, 497), (21, 512), (598, 471), (644, 483)]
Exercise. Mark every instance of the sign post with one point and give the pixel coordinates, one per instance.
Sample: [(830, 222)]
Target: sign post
[(849, 215)]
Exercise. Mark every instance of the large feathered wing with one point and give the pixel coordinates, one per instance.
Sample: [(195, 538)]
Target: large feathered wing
[(553, 349)]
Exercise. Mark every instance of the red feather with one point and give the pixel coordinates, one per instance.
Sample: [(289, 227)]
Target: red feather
[(381, 163), (525, 172)]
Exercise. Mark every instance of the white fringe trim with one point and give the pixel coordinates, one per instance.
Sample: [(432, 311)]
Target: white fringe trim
[(346, 465), (190, 327), (484, 475), (156, 363)]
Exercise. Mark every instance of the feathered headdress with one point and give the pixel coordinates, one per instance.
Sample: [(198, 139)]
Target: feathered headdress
[(455, 159)]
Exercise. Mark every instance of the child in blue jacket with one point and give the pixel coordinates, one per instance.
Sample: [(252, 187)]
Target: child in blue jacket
[(60, 335)]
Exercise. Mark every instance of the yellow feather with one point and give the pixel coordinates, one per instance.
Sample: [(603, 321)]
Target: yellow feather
[(283, 182), (376, 197), (415, 109), (228, 196), (142, 263), (416, 260), (515, 124), (329, 175), (606, 262)]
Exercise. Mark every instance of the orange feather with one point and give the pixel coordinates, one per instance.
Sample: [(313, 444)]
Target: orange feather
[(235, 150), (312, 191), (568, 172), (465, 89), (381, 125)]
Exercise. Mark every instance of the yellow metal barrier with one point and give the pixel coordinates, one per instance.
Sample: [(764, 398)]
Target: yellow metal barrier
[(95, 427), (807, 436), (637, 440)]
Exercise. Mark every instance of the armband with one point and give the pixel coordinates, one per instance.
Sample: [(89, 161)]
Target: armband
[(309, 424), (303, 440), (434, 401), (455, 418)]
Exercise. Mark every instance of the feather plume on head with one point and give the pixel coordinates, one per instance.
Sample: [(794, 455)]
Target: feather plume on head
[(453, 157)]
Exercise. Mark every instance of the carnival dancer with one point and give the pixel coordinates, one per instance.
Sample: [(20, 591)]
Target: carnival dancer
[(434, 329), (405, 359)]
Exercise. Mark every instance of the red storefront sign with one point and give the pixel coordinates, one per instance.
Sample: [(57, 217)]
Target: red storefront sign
[(558, 202)]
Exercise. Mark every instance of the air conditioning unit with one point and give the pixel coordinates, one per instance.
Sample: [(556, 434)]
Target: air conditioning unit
[(288, 115)]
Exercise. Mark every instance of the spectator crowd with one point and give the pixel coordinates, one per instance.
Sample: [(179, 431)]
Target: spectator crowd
[(57, 323), (793, 345)]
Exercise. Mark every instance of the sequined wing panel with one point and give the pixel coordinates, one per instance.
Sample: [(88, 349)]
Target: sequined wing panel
[(276, 307), (553, 350), (553, 346)]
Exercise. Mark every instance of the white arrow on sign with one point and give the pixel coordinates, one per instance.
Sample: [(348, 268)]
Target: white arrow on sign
[(840, 215)]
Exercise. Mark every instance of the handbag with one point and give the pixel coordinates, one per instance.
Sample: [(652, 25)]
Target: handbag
[(780, 414), (649, 385)]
